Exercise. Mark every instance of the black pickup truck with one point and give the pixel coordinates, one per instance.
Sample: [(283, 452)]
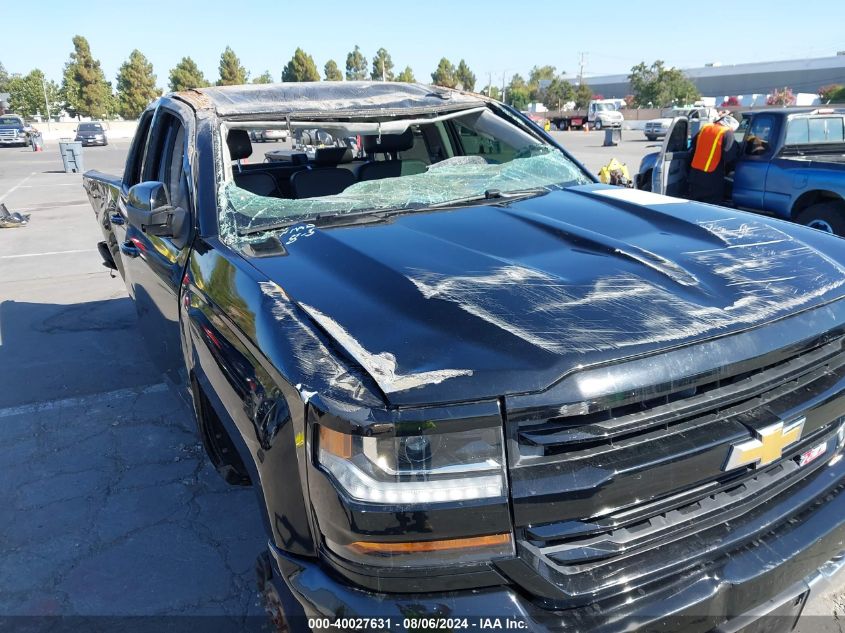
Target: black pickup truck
[(469, 384)]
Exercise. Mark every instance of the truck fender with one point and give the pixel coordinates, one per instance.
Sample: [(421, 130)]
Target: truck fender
[(810, 198)]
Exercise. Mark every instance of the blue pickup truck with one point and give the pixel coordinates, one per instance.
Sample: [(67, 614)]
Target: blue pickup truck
[(791, 165)]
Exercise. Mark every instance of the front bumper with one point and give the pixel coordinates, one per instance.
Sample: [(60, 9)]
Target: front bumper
[(763, 581), (86, 142), (14, 141)]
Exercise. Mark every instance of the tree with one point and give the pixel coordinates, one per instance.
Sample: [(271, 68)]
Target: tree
[(445, 74), (136, 85), (186, 75), (558, 93), (331, 71), (382, 66), (582, 96), (231, 71), (406, 75), (356, 65), (517, 93), (4, 78), (26, 94), (658, 86), (538, 73), (493, 92), (465, 77), (263, 78), (833, 93), (85, 91), (301, 67), (781, 97)]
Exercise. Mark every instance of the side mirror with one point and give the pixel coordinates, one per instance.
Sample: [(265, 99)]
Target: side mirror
[(148, 208)]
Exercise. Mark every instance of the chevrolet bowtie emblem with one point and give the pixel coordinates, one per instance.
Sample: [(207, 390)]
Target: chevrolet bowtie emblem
[(766, 447)]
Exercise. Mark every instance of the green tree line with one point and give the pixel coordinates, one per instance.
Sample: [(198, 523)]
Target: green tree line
[(85, 91)]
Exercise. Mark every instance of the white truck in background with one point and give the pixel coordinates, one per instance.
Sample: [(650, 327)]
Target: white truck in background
[(600, 113)]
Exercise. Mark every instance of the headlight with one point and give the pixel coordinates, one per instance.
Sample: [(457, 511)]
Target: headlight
[(418, 469), (418, 476)]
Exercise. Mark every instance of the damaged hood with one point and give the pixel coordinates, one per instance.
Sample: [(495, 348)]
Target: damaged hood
[(491, 300)]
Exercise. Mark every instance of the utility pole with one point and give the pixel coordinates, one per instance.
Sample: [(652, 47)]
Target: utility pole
[(503, 87), (46, 104), (582, 61)]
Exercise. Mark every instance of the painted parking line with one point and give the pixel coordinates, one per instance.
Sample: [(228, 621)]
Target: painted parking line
[(79, 250), (6, 195), (83, 401), (52, 184)]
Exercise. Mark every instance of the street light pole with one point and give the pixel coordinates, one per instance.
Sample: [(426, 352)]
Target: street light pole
[(46, 104)]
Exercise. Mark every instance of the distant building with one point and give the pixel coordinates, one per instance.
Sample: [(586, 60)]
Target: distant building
[(719, 80)]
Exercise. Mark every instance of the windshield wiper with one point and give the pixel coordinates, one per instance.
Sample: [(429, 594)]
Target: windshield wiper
[(321, 219), (491, 196)]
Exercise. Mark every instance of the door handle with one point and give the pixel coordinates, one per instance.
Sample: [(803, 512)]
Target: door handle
[(129, 249), (116, 218)]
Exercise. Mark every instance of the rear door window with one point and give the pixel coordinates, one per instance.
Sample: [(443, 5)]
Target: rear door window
[(825, 130), (806, 130)]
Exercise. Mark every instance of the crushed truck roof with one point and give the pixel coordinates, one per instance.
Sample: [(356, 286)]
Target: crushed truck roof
[(354, 98)]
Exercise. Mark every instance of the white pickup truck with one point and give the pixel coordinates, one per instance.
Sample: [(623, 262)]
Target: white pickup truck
[(657, 128)]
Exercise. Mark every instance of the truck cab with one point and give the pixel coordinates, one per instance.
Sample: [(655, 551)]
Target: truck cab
[(14, 130), (603, 113)]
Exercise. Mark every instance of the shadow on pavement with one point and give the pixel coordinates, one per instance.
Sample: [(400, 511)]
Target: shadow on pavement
[(110, 505)]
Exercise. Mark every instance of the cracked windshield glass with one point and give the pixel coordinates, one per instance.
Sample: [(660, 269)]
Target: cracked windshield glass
[(332, 169)]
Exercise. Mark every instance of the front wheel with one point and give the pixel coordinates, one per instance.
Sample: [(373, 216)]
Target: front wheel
[(597, 124), (824, 216)]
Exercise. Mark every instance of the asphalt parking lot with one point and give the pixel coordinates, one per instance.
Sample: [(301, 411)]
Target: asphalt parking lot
[(109, 506)]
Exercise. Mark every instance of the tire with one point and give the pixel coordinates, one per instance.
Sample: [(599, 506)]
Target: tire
[(597, 125), (644, 182), (824, 216), (651, 137)]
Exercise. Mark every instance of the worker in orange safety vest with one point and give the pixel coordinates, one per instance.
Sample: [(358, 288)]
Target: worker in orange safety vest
[(713, 153)]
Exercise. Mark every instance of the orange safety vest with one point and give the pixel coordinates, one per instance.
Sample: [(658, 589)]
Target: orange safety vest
[(708, 148)]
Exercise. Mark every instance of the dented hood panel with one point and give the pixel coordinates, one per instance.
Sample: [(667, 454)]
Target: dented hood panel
[(486, 301)]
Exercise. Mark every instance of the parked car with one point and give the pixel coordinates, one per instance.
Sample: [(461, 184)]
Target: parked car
[(657, 128), (473, 384), (91, 133), (790, 166), (265, 136), (14, 130)]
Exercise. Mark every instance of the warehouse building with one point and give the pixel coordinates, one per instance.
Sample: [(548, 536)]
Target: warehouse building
[(720, 80)]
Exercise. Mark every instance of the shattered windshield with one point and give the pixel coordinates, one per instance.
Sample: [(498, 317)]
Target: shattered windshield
[(349, 168)]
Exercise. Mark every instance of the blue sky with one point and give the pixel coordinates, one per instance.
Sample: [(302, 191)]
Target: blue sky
[(494, 36)]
